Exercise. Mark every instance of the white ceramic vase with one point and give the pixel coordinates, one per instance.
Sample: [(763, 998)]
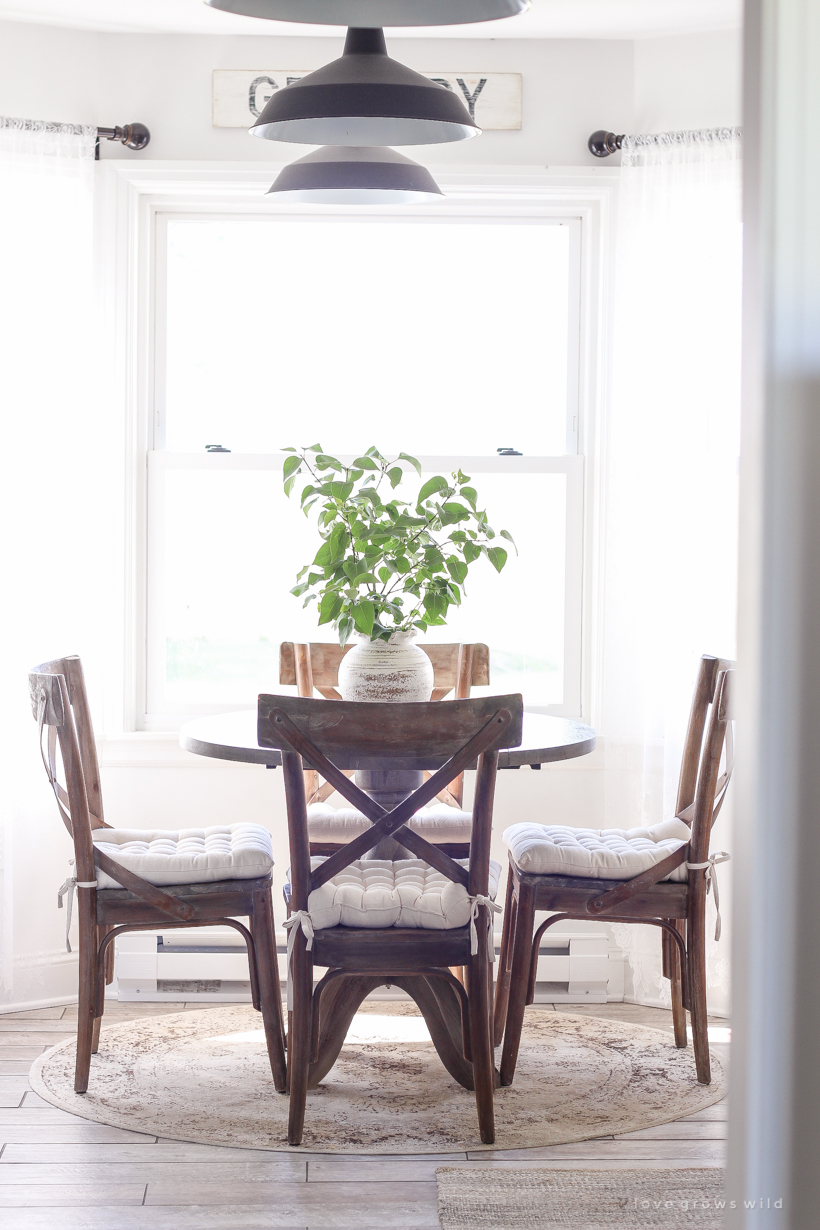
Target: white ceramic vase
[(386, 671)]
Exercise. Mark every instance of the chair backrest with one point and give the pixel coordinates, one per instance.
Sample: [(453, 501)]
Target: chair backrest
[(711, 785), (349, 735), (316, 665), (71, 668), (51, 706)]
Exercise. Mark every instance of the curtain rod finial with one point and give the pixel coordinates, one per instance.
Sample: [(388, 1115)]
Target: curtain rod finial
[(603, 143)]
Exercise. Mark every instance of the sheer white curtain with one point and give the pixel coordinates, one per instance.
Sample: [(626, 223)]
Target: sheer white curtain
[(671, 485), (52, 522)]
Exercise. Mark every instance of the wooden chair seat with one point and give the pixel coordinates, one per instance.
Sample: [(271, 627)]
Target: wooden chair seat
[(574, 892), (204, 900), (367, 948)]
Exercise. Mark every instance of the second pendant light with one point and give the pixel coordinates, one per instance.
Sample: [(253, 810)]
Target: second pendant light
[(365, 98)]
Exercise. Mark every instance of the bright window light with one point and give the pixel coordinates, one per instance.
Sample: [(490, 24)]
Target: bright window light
[(434, 337)]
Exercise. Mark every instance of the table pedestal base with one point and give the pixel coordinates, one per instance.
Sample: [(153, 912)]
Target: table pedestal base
[(340, 995)]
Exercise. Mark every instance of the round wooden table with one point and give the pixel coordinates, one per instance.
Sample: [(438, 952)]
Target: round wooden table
[(232, 736)]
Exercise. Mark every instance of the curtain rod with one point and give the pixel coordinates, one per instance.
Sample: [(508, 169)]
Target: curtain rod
[(603, 143), (133, 136)]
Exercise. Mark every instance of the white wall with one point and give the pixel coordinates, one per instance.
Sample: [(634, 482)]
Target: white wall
[(164, 81), (689, 81), (570, 89)]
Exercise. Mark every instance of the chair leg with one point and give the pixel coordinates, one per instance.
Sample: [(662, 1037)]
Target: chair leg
[(502, 986), (270, 993), (676, 978), (299, 1037), (87, 990), (519, 976), (481, 1039), (696, 953)]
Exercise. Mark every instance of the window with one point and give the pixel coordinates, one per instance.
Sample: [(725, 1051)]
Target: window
[(446, 337)]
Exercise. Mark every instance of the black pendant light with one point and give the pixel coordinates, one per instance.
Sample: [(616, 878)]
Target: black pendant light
[(375, 12), (365, 98), (355, 175)]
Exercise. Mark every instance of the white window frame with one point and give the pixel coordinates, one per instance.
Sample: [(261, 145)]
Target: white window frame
[(136, 201)]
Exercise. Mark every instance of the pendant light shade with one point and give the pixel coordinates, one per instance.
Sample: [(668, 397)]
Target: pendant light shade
[(365, 98), (355, 175), (375, 12)]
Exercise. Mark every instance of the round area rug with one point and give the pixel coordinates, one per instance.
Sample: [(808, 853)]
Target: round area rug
[(203, 1076)]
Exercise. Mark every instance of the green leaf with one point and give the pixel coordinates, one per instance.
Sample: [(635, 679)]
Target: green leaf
[(396, 474), (345, 630), (412, 460), (314, 448), (329, 607), (497, 557), (365, 578), (471, 552), (435, 603), (506, 534), (339, 538), (292, 464), (323, 556), (469, 494), (287, 449), (323, 462), (364, 614), (454, 512), (298, 590), (365, 463), (457, 569), (384, 575), (340, 491), (289, 484), (437, 483), (403, 565)]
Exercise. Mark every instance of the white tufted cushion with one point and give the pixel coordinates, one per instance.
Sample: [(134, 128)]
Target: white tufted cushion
[(603, 854), (407, 893), (342, 824), (188, 856)]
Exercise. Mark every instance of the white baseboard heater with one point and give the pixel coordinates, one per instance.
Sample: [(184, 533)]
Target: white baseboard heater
[(210, 964)]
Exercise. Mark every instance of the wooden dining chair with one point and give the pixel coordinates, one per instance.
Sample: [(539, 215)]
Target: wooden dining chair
[(347, 912), (138, 880), (456, 668), (580, 874)]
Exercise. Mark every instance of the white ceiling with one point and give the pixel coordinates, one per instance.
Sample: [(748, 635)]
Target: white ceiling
[(546, 19)]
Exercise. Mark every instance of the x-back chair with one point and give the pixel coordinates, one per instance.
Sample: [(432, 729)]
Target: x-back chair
[(677, 848), (456, 668), (372, 922), (176, 887)]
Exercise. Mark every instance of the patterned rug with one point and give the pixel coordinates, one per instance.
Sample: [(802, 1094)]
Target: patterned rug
[(203, 1076), (531, 1198)]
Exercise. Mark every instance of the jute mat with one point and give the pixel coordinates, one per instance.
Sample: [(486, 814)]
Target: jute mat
[(203, 1076), (492, 1198)]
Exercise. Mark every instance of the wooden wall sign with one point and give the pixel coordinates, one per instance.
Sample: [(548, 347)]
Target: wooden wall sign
[(493, 99)]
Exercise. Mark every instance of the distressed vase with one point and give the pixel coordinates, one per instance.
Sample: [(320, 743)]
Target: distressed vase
[(396, 670)]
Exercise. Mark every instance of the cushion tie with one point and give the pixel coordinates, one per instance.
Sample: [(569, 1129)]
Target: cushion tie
[(67, 888), (475, 902), (711, 878), (300, 918)]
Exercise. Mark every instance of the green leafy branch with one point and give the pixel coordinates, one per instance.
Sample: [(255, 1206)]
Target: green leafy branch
[(386, 565)]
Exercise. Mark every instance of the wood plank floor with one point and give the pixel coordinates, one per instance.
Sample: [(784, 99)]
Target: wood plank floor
[(58, 1171)]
